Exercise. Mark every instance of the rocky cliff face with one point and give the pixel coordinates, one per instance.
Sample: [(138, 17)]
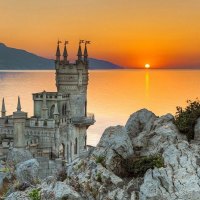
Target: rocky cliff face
[(148, 159)]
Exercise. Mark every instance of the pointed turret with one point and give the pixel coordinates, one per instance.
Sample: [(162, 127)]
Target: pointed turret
[(19, 108), (79, 54), (86, 52), (56, 110), (3, 109), (65, 54), (58, 51)]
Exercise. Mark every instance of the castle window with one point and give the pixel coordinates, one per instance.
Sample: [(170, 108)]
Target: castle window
[(76, 146)]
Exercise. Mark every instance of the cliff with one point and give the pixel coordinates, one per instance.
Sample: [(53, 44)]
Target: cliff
[(148, 159)]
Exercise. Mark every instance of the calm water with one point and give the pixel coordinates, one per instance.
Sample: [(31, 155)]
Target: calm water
[(112, 95)]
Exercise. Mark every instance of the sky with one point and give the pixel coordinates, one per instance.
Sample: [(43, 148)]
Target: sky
[(130, 33)]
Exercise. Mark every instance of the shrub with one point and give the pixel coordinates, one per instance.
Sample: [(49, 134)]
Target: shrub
[(99, 179), (100, 159), (139, 167), (185, 119), (35, 194)]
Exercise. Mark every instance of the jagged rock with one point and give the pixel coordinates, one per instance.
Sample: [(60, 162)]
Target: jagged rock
[(58, 191), (140, 121), (28, 171), (114, 146), (18, 196), (197, 130), (179, 179), (16, 156), (118, 194), (163, 133)]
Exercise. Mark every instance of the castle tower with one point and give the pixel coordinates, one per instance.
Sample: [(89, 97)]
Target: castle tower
[(19, 118), (3, 109), (72, 80)]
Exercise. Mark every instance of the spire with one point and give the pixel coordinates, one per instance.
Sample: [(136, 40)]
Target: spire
[(86, 52), (65, 54), (3, 109), (58, 51), (79, 54), (19, 108), (56, 110)]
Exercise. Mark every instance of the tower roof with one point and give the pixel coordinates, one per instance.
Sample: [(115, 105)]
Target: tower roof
[(19, 108), (65, 54), (56, 110), (58, 49), (3, 108)]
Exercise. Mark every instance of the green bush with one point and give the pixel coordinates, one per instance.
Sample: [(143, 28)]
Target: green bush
[(35, 194), (139, 167), (185, 119), (99, 179), (100, 159)]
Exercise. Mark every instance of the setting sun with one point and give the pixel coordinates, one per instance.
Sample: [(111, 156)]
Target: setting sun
[(147, 66)]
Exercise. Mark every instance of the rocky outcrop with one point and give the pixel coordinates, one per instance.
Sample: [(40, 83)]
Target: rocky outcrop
[(28, 171), (56, 190), (114, 146), (140, 121), (100, 174), (16, 156)]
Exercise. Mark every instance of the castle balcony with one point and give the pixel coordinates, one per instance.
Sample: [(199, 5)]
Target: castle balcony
[(83, 121)]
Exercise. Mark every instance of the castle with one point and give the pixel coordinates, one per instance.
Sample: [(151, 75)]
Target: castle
[(58, 128)]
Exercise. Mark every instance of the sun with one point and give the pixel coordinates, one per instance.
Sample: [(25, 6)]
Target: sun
[(147, 66)]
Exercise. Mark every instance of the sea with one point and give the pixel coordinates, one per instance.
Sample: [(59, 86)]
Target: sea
[(113, 95)]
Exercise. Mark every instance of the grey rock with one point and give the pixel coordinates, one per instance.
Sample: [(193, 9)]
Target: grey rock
[(28, 171), (16, 156), (140, 121)]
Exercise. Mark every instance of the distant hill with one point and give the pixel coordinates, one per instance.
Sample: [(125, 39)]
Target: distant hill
[(17, 59)]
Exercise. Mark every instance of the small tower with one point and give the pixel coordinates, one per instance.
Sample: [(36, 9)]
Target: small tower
[(86, 52), (58, 51), (3, 109), (44, 113), (79, 54), (56, 113), (19, 119), (65, 54)]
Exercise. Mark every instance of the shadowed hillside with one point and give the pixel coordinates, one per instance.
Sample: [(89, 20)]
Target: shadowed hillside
[(17, 59)]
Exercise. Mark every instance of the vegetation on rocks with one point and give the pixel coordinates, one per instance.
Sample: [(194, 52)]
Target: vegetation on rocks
[(100, 159), (185, 119), (35, 194), (139, 167)]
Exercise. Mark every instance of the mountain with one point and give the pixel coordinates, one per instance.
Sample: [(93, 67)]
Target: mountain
[(17, 59)]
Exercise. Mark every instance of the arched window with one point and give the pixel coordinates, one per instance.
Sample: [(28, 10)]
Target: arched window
[(76, 146), (52, 111)]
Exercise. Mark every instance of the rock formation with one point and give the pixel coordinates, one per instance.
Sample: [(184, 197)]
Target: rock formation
[(169, 165)]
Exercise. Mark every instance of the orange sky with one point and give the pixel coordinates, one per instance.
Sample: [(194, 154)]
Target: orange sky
[(164, 33)]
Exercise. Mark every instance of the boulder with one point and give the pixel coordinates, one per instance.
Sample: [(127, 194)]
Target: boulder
[(16, 156), (140, 121), (179, 179), (114, 146), (28, 171), (58, 191)]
